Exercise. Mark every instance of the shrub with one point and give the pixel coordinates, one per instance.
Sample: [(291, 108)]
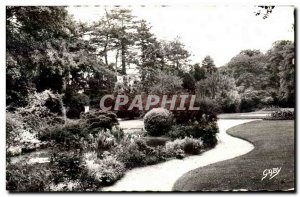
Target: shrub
[(118, 133), (132, 152), (67, 165), (63, 133), (72, 134), (105, 171), (282, 115), (65, 137), (54, 105), (27, 178), (103, 142), (174, 149), (188, 145), (206, 131), (208, 112), (75, 103), (192, 146), (19, 136), (250, 100), (23, 125), (100, 120), (158, 121), (271, 108)]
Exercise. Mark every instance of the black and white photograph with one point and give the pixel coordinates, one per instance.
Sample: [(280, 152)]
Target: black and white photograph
[(150, 98)]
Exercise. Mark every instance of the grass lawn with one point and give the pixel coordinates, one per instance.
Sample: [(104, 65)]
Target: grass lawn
[(274, 147)]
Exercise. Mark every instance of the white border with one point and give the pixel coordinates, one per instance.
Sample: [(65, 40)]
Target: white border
[(3, 3)]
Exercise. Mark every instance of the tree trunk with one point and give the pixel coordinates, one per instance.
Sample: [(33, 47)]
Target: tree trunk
[(117, 56), (123, 51), (105, 54)]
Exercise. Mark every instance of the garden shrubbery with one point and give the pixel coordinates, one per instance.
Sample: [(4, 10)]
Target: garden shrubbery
[(24, 178), (98, 119), (106, 170), (158, 121), (24, 124), (281, 115), (75, 103), (205, 131)]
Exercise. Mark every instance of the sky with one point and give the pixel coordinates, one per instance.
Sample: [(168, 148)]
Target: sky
[(219, 31)]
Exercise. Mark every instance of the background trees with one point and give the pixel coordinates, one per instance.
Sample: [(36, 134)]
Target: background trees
[(47, 49), (263, 79)]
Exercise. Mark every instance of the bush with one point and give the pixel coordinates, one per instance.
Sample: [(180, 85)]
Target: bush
[(188, 145), (27, 178), (271, 108), (230, 103), (208, 112), (67, 165), (54, 105), (158, 121), (132, 152), (72, 135), (104, 142), (174, 149), (105, 171), (282, 115), (118, 133), (251, 100), (100, 120), (75, 103), (192, 146), (23, 125), (63, 133), (19, 136), (206, 131)]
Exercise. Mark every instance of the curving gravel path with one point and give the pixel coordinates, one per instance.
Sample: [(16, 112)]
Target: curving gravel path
[(161, 177)]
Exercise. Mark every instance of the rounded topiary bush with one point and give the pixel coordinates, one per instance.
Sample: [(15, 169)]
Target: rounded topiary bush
[(158, 121)]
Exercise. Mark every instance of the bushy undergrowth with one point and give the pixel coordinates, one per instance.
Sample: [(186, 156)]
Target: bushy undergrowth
[(188, 145), (206, 131), (105, 171), (33, 178), (24, 124), (281, 115)]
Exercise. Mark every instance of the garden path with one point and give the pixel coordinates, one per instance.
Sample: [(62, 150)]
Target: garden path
[(161, 177)]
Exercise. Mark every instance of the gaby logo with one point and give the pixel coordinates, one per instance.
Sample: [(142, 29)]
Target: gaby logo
[(144, 103)]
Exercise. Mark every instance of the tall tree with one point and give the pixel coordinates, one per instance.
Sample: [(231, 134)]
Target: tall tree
[(199, 72), (33, 34), (176, 54), (282, 70), (208, 65)]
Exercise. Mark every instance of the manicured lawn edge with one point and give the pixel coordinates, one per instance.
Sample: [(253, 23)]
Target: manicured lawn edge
[(274, 147)]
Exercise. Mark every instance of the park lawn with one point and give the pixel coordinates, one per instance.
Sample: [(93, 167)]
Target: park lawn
[(274, 147)]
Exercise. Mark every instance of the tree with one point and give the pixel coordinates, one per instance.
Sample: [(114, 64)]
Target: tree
[(220, 88), (33, 34), (208, 65), (175, 53), (151, 50), (199, 72), (188, 82), (166, 83), (282, 70)]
